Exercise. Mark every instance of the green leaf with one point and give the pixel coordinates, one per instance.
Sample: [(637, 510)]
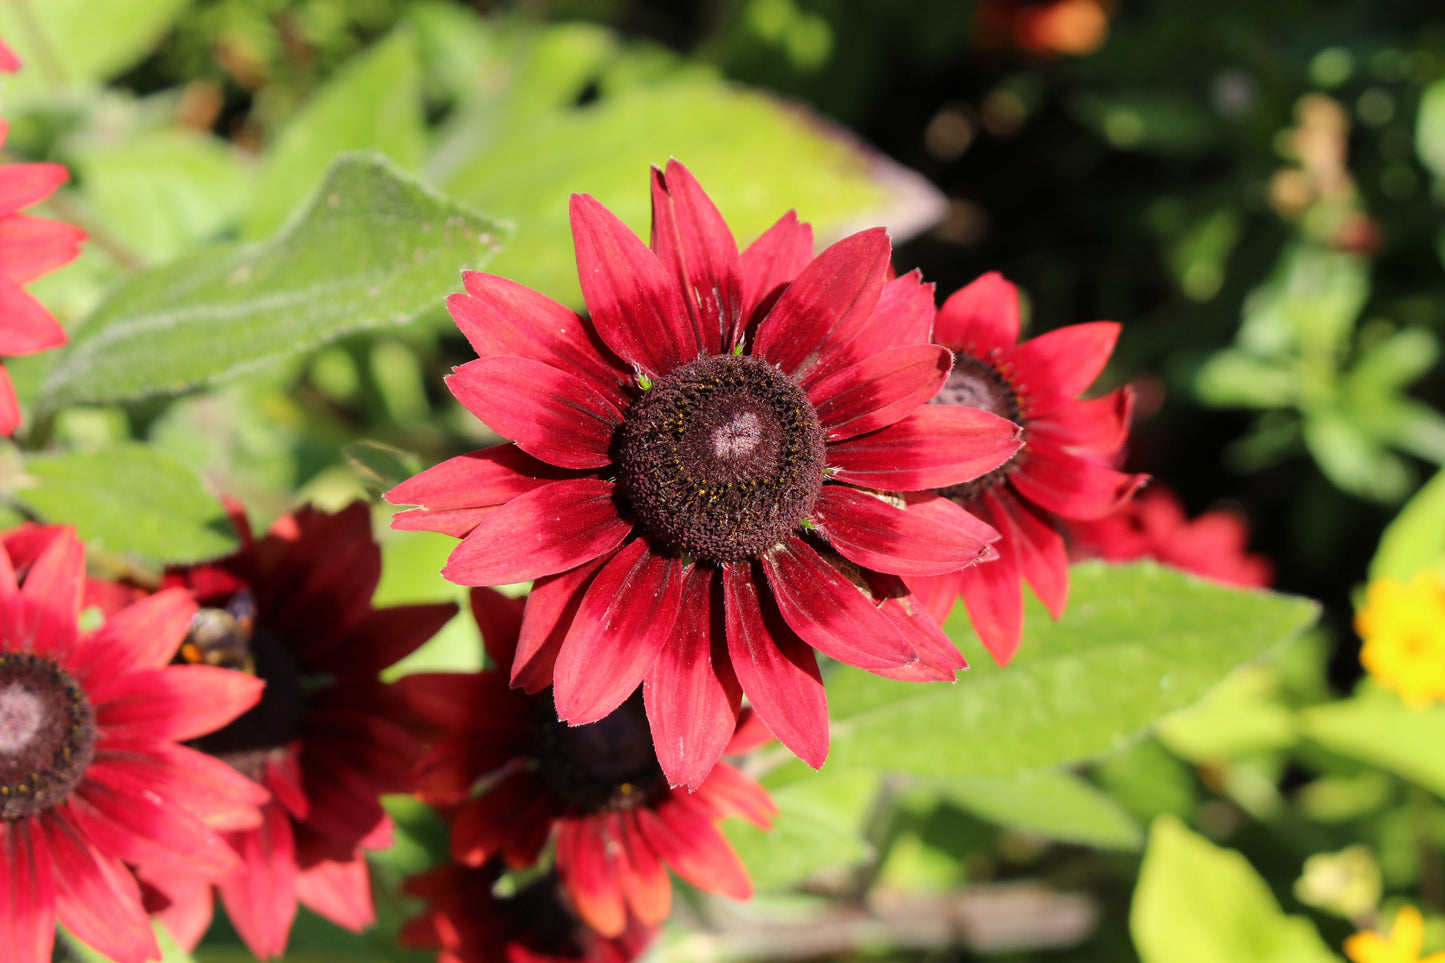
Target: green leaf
[(84, 41), (171, 951), (374, 102), (1416, 538), (1136, 642), (1056, 805), (373, 248), (130, 500), (1232, 378), (1377, 728), (1352, 459), (1400, 360), (1241, 715), (1197, 903), (1430, 128), (819, 826), (755, 156)]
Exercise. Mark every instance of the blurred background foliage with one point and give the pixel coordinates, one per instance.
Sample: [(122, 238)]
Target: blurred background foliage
[(1255, 190)]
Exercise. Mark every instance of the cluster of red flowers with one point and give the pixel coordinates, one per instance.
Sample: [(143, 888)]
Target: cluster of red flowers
[(736, 462)]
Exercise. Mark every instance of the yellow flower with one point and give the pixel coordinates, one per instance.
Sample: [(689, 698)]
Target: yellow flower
[(1403, 946), (1403, 625)]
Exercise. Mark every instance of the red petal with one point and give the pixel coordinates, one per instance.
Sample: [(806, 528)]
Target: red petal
[(178, 702), (829, 612), (1056, 367), (995, 599), (589, 873), (635, 304), (261, 900), (979, 318), (9, 63), (27, 892), (1100, 426), (937, 594), (877, 392), (502, 317), (826, 305), (500, 619), (693, 242), (776, 669), (121, 812), (1040, 549), (386, 636), (626, 616), (551, 606), (204, 786), (9, 404), (682, 834), (339, 890), (772, 261), (57, 578), (550, 414), (728, 792), (143, 635), (938, 658), (29, 325), (188, 908), (491, 476), (545, 531), (903, 319), (692, 699), (508, 818), (936, 446), (1069, 485), (96, 897), (644, 880), (31, 247), (868, 530), (24, 184)]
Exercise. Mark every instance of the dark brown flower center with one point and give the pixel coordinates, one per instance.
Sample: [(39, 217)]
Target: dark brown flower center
[(47, 734), (976, 383), (229, 637), (608, 764), (722, 458)]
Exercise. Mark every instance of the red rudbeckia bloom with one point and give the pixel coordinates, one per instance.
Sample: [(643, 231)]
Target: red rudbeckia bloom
[(29, 247), (699, 475), (91, 775), (466, 922), (294, 609), (1154, 525), (595, 789), (1057, 471)]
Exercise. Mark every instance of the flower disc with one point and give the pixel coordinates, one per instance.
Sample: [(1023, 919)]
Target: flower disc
[(608, 764), (722, 458), (47, 734)]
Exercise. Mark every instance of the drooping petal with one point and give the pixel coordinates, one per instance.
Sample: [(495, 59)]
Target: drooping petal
[(875, 534), (777, 670), (729, 792), (1098, 426), (1042, 557), (261, 900), (509, 818), (772, 261), (635, 303), (96, 897), (682, 833), (587, 866), (143, 635), (29, 326), (883, 389), (178, 702), (643, 877), (545, 531), (27, 892), (824, 307), (937, 593), (502, 317), (693, 242), (549, 413), (981, 317), (24, 184), (936, 446), (57, 578), (994, 596), (938, 658), (500, 619), (626, 616), (31, 247), (829, 612), (692, 698), (1056, 367), (551, 606), (1069, 485), (338, 890)]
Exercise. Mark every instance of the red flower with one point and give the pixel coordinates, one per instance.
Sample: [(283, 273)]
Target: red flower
[(700, 472), (29, 247), (1154, 526), (468, 923), (294, 609), (1056, 471), (595, 789), (9, 63), (91, 775)]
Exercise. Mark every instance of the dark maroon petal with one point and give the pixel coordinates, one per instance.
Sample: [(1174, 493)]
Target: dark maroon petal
[(826, 305), (636, 305), (500, 619), (551, 606), (1056, 367), (27, 892), (502, 317), (772, 261), (586, 863), (995, 599), (491, 476), (777, 670), (829, 612), (979, 318), (1069, 485), (683, 835), (903, 318), (624, 619), (548, 530), (1043, 560), (504, 819), (548, 412), (1099, 426), (693, 242), (386, 636), (881, 390), (864, 528), (692, 701), (261, 900), (936, 446)]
